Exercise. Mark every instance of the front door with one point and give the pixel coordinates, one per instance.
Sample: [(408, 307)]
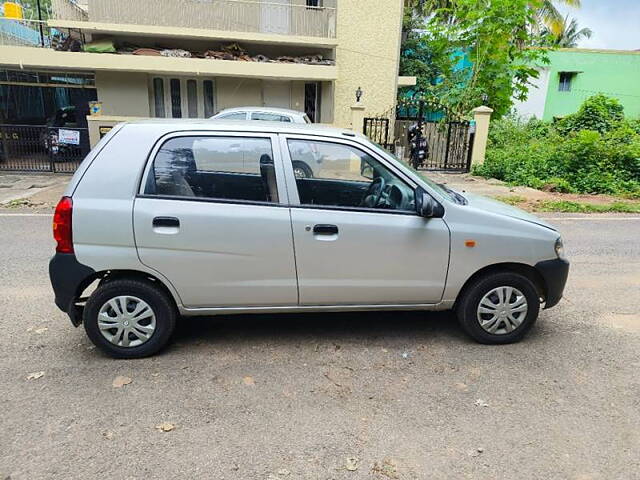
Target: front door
[(215, 228), (357, 237)]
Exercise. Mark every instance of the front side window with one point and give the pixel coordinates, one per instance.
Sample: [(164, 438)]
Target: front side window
[(269, 117), (340, 175), (223, 168)]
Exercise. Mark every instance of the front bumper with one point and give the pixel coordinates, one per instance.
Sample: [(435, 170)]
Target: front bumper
[(68, 278), (554, 273)]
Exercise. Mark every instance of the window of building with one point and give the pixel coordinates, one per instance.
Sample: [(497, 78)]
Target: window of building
[(182, 97), (224, 168), (207, 93), (565, 81), (314, 3), (192, 98), (176, 99), (158, 97), (344, 176)]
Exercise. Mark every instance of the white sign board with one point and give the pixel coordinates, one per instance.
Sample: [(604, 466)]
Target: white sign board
[(70, 137)]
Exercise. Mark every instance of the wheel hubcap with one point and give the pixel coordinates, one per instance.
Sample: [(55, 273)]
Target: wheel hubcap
[(502, 310), (126, 321), (299, 173)]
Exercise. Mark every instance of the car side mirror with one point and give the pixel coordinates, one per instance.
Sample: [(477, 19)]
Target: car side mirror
[(426, 206), (366, 170)]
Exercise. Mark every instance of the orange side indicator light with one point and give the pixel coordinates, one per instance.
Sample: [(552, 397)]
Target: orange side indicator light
[(470, 243)]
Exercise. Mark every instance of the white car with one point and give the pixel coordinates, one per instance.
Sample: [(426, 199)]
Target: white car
[(268, 114), (166, 221)]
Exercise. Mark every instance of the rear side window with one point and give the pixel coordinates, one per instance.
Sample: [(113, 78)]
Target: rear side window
[(234, 116), (269, 117), (222, 168)]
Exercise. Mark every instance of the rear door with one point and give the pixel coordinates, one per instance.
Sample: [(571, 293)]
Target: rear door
[(355, 244), (220, 232)]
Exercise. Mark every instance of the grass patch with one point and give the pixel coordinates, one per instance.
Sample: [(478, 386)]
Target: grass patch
[(579, 207), (510, 199)]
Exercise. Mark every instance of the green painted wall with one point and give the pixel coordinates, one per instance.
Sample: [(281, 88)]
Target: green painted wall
[(614, 73)]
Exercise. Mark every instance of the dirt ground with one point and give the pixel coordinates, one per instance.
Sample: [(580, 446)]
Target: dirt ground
[(532, 197)]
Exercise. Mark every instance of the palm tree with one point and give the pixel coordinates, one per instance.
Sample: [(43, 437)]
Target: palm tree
[(568, 36), (549, 15)]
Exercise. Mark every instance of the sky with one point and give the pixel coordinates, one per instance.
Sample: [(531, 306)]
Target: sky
[(615, 23)]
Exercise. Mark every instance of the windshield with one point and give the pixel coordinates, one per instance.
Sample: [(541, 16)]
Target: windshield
[(441, 189)]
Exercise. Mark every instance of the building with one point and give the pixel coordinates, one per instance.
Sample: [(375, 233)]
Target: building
[(192, 58), (573, 75)]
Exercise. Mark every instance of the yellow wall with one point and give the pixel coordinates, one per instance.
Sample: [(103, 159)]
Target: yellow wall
[(367, 56), (123, 93), (237, 92)]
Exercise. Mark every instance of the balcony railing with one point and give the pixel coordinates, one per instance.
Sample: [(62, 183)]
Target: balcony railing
[(27, 33), (286, 17), (68, 10)]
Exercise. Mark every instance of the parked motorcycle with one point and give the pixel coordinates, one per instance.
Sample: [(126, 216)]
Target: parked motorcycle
[(419, 147)]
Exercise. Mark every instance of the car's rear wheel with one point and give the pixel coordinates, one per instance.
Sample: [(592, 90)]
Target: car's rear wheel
[(302, 170), (499, 308), (129, 318)]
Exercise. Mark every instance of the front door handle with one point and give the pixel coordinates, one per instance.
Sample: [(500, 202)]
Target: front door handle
[(325, 229), (166, 222)]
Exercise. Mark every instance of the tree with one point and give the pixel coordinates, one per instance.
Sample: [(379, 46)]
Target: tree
[(567, 37), (31, 9), (549, 16), (476, 52)]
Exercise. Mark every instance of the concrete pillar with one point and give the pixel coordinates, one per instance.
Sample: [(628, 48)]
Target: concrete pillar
[(482, 117), (357, 117)]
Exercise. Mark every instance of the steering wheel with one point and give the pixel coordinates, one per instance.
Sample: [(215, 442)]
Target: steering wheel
[(374, 193)]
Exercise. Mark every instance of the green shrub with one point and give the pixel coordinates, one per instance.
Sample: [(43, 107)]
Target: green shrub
[(567, 156), (598, 113)]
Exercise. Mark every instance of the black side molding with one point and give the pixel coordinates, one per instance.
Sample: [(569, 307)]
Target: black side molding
[(555, 273)]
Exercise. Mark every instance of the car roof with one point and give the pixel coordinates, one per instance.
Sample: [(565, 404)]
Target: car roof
[(286, 111), (164, 126)]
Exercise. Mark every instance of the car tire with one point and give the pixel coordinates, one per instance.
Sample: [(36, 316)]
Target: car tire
[(104, 308), (483, 307), (302, 170)]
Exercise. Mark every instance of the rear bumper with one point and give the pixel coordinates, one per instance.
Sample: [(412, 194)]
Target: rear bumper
[(555, 273), (68, 279)]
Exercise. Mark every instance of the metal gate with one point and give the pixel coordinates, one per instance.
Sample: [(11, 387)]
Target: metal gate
[(449, 139), (41, 148)]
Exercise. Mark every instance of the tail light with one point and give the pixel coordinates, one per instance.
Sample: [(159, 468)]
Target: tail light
[(62, 231)]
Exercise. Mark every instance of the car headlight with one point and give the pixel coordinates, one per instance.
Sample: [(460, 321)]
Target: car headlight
[(560, 249)]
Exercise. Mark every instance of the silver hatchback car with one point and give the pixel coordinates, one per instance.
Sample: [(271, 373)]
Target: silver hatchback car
[(170, 218)]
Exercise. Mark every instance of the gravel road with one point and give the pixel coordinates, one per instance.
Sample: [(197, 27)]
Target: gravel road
[(329, 396)]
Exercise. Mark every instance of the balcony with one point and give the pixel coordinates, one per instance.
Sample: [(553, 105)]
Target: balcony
[(280, 17)]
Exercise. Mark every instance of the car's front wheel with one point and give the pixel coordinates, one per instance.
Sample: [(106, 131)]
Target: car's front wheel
[(129, 318), (499, 308)]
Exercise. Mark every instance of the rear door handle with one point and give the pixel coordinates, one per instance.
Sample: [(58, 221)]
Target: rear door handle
[(166, 222), (322, 229)]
